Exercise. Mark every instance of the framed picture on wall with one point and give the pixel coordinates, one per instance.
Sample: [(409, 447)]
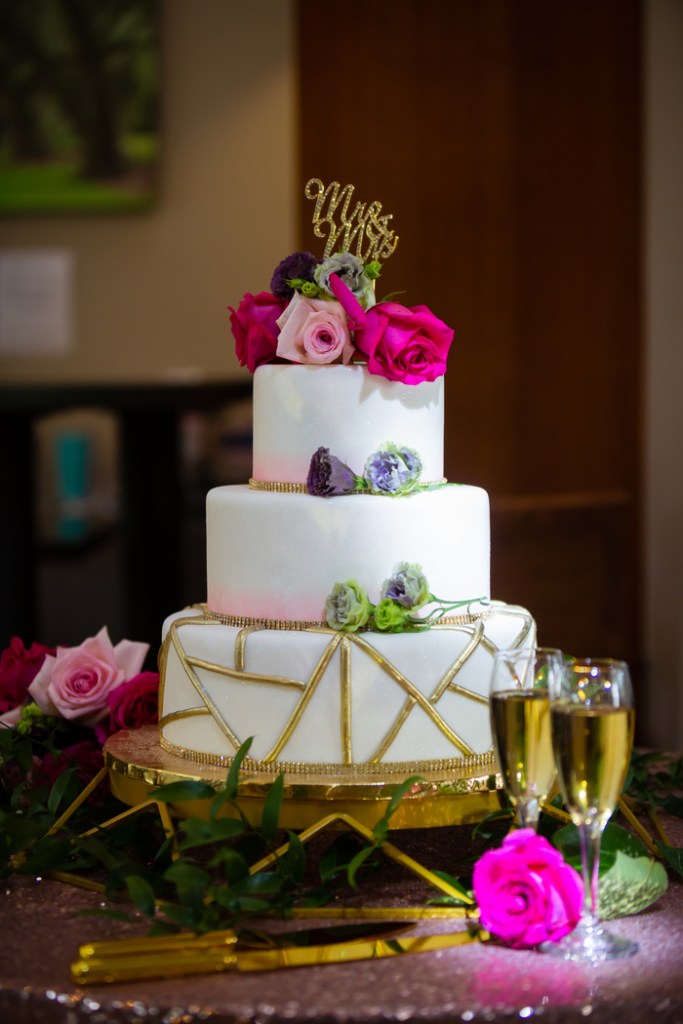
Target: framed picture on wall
[(79, 106)]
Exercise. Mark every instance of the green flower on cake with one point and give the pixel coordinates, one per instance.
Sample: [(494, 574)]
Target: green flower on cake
[(389, 617), (347, 607)]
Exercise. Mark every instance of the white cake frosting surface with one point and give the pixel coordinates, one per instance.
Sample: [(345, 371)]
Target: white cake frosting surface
[(345, 409), (309, 543)]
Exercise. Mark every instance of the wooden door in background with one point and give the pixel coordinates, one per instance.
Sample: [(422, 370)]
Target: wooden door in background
[(504, 137)]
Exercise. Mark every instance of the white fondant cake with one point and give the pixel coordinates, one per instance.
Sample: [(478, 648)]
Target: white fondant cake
[(348, 627), (259, 661)]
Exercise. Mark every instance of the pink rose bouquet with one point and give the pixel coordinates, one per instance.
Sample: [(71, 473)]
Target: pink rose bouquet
[(526, 892), (254, 326), (76, 682), (314, 331), (409, 345)]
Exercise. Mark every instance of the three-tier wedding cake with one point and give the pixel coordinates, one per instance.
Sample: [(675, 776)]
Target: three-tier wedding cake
[(348, 626)]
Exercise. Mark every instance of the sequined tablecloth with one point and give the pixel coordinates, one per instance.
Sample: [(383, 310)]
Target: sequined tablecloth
[(41, 930)]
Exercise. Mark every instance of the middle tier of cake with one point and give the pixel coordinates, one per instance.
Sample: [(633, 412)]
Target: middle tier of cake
[(277, 556)]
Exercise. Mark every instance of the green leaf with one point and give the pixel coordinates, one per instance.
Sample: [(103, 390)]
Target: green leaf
[(673, 855), (357, 862), (58, 790), (293, 860), (141, 893), (232, 781), (199, 832), (630, 885), (615, 839), (234, 865), (271, 809), (191, 882), (382, 826), (178, 792)]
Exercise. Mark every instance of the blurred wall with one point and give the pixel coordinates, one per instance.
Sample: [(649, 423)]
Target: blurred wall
[(151, 289), (663, 288)]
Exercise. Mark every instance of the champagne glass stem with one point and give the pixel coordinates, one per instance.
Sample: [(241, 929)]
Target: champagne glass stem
[(528, 812), (590, 836)]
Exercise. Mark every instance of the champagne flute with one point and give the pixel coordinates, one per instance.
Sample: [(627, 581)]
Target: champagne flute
[(592, 722), (520, 725)]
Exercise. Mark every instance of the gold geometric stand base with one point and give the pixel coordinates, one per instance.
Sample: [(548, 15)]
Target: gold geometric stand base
[(137, 765)]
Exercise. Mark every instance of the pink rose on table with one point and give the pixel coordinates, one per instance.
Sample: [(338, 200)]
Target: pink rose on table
[(132, 704), (254, 327), (410, 345), (76, 682), (526, 892), (314, 331), (19, 666)]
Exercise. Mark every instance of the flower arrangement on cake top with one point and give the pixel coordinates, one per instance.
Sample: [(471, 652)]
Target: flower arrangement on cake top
[(323, 311)]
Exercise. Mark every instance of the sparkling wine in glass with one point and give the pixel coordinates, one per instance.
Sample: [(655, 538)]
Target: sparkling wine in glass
[(592, 721), (520, 725)]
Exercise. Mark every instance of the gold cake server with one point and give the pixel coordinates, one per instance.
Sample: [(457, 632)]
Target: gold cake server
[(130, 960)]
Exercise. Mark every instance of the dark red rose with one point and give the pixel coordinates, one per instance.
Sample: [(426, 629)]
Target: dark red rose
[(255, 328), (18, 668), (86, 755), (135, 702)]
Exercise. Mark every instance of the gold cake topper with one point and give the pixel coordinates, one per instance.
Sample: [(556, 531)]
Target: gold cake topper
[(373, 238)]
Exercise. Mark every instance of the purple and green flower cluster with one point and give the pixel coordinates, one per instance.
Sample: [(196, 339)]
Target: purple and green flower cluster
[(390, 470), (348, 607)]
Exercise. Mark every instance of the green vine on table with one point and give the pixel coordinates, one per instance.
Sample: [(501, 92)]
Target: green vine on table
[(207, 883)]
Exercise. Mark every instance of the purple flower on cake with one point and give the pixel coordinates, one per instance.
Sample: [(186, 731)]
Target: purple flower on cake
[(409, 345), (76, 682), (393, 470), (407, 587), (314, 331), (347, 607), (329, 476), (350, 270), (298, 267), (526, 892), (254, 327)]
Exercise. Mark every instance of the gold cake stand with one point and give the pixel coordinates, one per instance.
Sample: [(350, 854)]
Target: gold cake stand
[(137, 765)]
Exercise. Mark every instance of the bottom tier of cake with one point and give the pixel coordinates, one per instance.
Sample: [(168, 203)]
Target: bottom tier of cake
[(314, 700)]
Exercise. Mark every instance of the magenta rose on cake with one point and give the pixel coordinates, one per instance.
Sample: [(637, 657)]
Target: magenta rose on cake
[(255, 329), (76, 682), (527, 893), (404, 344), (314, 331)]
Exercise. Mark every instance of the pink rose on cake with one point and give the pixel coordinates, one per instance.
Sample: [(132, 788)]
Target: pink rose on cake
[(76, 682), (409, 345), (527, 893), (255, 329), (314, 331)]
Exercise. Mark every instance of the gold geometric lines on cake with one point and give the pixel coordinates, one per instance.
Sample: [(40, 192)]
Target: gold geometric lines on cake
[(345, 642)]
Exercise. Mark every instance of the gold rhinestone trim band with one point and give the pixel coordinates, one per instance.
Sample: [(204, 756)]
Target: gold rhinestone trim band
[(283, 487), (243, 621), (480, 762)]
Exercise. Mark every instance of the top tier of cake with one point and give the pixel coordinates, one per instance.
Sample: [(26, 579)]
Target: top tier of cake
[(300, 408)]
